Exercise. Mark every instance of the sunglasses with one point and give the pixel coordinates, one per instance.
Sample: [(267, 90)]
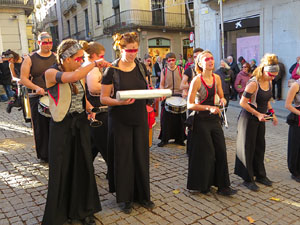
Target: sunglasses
[(271, 75), (209, 58), (47, 42), (79, 59), (131, 50), (171, 60)]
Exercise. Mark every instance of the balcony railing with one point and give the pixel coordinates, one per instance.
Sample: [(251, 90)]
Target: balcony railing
[(68, 5), (27, 5), (130, 19)]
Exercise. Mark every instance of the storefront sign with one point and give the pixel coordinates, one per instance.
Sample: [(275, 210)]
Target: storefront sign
[(241, 24)]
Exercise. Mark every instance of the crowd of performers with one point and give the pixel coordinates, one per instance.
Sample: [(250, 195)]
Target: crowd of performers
[(81, 94)]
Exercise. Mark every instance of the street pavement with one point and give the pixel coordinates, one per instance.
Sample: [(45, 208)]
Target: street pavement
[(23, 182)]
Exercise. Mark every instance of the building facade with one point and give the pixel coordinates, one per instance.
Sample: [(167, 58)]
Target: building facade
[(251, 29), (14, 25), (162, 25)]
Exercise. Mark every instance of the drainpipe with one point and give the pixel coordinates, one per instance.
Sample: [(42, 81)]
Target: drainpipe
[(222, 28)]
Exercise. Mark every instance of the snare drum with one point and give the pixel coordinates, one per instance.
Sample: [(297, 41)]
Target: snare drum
[(43, 106), (176, 105)]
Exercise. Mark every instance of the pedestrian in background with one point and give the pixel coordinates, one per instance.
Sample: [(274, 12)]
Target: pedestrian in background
[(251, 143), (294, 65), (158, 66), (148, 64), (277, 82), (226, 75), (253, 65), (242, 79), (5, 79), (235, 69)]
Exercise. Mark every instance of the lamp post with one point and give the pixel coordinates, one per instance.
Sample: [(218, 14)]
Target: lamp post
[(222, 28)]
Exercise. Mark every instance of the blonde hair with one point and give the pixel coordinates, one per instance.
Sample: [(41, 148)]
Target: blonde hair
[(267, 60), (121, 40), (91, 48), (198, 68)]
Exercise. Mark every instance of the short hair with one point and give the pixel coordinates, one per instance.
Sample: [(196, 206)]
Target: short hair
[(43, 35), (171, 55), (121, 40), (198, 50)]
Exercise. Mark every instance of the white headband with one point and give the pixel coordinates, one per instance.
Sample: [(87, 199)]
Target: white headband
[(71, 51)]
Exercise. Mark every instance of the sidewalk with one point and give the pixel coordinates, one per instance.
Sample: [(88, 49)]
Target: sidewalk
[(278, 107)]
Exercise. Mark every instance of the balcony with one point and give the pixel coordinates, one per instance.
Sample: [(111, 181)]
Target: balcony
[(68, 5), (132, 19), (27, 5)]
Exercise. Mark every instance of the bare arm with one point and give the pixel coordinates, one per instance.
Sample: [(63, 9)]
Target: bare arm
[(12, 70), (25, 73), (107, 100), (184, 83), (93, 81), (195, 86), (71, 77)]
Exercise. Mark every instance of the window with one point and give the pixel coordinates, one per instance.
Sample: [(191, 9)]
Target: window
[(69, 28), (87, 27), (76, 25), (117, 15), (98, 13), (158, 12)]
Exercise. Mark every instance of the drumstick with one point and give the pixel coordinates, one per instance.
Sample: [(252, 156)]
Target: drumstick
[(225, 117)]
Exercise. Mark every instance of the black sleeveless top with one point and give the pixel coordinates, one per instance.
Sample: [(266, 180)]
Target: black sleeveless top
[(18, 68), (262, 99), (39, 65), (94, 100), (209, 99)]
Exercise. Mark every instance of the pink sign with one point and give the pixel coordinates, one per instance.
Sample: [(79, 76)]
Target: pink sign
[(248, 47)]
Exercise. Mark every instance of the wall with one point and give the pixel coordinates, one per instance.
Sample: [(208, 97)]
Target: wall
[(13, 31), (279, 27)]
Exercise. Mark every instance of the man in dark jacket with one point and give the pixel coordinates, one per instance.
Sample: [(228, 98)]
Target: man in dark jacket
[(5, 78), (294, 65), (235, 69)]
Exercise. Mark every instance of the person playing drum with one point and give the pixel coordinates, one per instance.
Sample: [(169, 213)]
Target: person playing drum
[(172, 124), (207, 160), (34, 66), (72, 188)]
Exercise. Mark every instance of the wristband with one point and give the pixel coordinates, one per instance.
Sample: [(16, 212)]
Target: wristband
[(271, 111), (95, 63)]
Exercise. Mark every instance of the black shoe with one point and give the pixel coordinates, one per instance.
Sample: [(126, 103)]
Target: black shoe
[(226, 191), (264, 181), (90, 220), (127, 207), (9, 107), (147, 204), (179, 143), (251, 186), (296, 178), (162, 143)]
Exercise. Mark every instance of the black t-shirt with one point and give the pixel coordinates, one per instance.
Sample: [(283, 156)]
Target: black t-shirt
[(135, 113), (5, 77), (189, 73)]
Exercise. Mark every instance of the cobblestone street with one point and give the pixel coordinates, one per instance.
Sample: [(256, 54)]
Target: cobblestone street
[(23, 183)]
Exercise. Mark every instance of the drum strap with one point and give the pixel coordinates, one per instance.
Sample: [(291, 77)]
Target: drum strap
[(179, 70)]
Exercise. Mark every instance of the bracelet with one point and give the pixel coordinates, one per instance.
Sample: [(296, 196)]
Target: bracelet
[(271, 111), (95, 63)]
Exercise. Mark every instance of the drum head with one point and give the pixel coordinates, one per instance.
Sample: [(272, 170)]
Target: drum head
[(44, 100), (176, 101)]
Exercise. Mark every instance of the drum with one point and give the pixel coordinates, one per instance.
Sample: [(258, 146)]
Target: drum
[(25, 105), (176, 105), (43, 106)]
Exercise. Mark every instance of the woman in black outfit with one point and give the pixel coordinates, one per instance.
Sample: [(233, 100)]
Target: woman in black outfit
[(95, 51), (72, 189), (251, 142), (128, 147), (207, 157)]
